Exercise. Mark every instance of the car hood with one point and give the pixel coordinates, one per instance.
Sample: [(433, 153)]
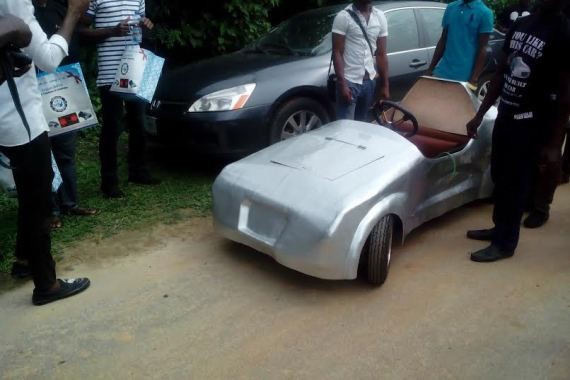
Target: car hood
[(339, 164), (195, 80)]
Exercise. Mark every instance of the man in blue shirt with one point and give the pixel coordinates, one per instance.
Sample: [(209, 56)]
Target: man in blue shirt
[(461, 51)]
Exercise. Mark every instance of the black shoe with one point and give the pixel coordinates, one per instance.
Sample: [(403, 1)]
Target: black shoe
[(485, 235), (144, 179), (490, 254), (67, 288), (535, 219), (112, 192), (20, 271), (565, 178)]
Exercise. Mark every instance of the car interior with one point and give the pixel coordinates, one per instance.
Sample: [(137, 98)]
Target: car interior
[(442, 109)]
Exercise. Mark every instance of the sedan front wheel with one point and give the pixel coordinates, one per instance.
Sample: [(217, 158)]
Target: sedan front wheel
[(295, 117)]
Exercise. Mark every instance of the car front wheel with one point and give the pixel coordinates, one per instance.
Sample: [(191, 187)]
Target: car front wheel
[(378, 251), (296, 117)]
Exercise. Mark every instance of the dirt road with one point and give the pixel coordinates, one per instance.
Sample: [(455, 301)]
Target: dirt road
[(179, 302)]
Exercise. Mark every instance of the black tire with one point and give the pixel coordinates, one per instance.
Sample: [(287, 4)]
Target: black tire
[(378, 251), (483, 85), (295, 108)]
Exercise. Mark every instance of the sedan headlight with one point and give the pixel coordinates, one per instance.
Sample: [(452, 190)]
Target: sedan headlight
[(231, 99)]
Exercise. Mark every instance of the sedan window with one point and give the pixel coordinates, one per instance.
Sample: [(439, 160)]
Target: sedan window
[(402, 30), (432, 25)]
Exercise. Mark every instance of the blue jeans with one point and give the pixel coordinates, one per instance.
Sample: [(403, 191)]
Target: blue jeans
[(362, 99)]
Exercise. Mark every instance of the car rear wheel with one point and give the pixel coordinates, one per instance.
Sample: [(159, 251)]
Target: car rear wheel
[(296, 117), (378, 251)]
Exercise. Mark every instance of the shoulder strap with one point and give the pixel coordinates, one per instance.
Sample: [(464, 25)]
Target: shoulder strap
[(9, 76), (357, 20)]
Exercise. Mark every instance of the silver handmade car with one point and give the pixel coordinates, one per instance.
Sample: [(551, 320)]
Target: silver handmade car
[(324, 202)]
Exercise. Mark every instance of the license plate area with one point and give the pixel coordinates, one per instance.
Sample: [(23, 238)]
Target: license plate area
[(261, 222)]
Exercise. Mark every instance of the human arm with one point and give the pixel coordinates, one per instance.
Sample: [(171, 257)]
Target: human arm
[(382, 65), (98, 35), (46, 53), (551, 152), (480, 59), (339, 30), (485, 29), (438, 53), (13, 31), (338, 62), (493, 94)]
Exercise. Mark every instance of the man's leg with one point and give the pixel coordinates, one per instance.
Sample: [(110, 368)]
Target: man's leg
[(33, 176), (365, 100), (346, 111), (514, 159), (112, 107), (138, 171), (64, 148)]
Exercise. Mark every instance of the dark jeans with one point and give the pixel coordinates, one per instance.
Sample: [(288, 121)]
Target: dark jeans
[(362, 99), (64, 148), (113, 108), (514, 157), (33, 176)]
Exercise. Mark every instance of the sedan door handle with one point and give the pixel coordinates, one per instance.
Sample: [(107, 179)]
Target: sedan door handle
[(417, 63)]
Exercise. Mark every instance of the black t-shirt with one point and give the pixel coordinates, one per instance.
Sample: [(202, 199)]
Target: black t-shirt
[(538, 51), (50, 17)]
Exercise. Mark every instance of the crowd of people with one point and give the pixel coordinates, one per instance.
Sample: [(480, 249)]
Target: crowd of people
[(527, 141), (49, 32)]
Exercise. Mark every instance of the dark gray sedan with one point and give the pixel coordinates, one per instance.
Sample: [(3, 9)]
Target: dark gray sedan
[(238, 103)]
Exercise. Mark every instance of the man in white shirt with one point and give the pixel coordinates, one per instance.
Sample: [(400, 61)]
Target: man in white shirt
[(24, 140), (360, 60)]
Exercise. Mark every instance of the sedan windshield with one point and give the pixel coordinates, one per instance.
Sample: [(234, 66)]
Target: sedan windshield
[(305, 34)]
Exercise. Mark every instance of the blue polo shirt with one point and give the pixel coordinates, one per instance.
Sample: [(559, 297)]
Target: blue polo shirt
[(464, 23)]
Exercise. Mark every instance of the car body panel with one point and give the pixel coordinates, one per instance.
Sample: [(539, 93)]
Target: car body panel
[(311, 201)]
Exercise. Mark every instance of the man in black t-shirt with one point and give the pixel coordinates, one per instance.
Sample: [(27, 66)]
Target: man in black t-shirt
[(533, 81)]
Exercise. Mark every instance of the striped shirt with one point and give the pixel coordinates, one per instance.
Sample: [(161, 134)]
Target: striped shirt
[(108, 14)]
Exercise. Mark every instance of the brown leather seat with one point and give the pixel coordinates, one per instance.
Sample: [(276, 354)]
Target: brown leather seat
[(432, 142)]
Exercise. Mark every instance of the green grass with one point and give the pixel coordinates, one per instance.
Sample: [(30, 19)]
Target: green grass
[(185, 188)]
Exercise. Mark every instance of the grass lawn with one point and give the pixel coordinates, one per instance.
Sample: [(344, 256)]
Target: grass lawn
[(186, 185)]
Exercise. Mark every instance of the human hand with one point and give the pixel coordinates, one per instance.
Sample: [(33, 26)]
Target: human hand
[(147, 23), (550, 155), (77, 7), (19, 31), (345, 94), (122, 28), (473, 125)]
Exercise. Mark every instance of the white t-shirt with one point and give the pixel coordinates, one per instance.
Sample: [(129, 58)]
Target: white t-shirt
[(358, 58), (108, 14), (47, 54)]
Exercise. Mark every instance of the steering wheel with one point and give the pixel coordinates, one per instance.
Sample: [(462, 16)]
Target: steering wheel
[(385, 113)]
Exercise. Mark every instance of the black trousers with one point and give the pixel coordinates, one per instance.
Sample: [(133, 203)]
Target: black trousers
[(33, 175), (113, 109), (514, 157)]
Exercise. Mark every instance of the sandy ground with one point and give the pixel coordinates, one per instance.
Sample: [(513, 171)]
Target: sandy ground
[(179, 302)]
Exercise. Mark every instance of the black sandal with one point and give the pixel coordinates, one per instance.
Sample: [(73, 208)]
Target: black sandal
[(67, 288)]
